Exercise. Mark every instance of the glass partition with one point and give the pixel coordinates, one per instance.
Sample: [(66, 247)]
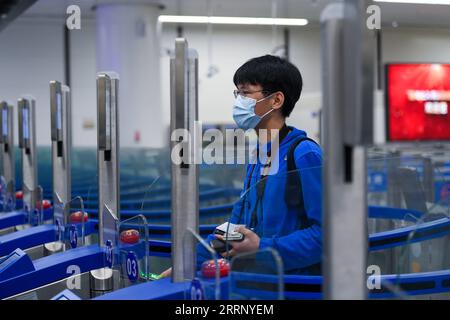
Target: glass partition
[(75, 217), (157, 226), (33, 205), (257, 276), (7, 195), (257, 214), (204, 282), (133, 251), (409, 234)]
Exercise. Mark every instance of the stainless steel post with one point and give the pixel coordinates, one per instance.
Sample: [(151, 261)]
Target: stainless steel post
[(108, 145), (61, 136), (184, 114), (7, 149), (347, 64), (27, 143), (108, 167), (428, 179)]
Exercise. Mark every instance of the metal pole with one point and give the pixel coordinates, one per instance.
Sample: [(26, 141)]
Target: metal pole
[(394, 195), (287, 43), (347, 62), (428, 178), (61, 136), (184, 113), (108, 145), (27, 142), (7, 146), (101, 280), (67, 69)]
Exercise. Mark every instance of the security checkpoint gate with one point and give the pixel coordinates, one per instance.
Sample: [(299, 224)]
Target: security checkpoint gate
[(121, 257), (34, 210), (67, 230)]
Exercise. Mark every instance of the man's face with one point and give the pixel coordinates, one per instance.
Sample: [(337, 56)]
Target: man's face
[(256, 92)]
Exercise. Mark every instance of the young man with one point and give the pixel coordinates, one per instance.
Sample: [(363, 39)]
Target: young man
[(268, 88)]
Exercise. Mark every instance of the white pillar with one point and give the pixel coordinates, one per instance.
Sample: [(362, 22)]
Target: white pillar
[(128, 43)]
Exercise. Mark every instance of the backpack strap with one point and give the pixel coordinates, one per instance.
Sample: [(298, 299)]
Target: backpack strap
[(294, 190)]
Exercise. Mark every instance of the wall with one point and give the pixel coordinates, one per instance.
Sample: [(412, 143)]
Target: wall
[(32, 55), (231, 47)]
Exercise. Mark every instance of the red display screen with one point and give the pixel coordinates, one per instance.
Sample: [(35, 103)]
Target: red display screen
[(418, 99)]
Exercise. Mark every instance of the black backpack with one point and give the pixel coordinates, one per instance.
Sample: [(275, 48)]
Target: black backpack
[(294, 191)]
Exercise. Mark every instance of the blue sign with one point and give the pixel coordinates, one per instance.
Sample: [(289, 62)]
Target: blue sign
[(109, 253), (26, 133), (443, 192), (5, 122), (377, 181), (197, 292), (26, 209), (132, 266), (73, 236), (10, 203), (35, 217), (58, 111)]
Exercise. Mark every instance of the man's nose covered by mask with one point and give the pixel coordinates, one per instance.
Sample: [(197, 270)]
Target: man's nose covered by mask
[(244, 112)]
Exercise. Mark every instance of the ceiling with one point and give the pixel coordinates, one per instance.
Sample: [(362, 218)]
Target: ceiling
[(402, 15), (11, 9)]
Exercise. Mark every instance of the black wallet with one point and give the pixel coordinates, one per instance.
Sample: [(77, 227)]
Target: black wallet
[(219, 246)]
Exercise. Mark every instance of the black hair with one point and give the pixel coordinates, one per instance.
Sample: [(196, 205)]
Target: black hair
[(273, 74)]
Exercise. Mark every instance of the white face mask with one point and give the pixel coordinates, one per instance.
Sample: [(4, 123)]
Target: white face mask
[(244, 112)]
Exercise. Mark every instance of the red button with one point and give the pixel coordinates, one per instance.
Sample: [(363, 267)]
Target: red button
[(19, 195), (209, 268), (76, 217), (129, 236), (45, 204)]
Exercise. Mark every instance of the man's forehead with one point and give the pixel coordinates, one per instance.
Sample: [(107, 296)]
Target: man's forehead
[(248, 86)]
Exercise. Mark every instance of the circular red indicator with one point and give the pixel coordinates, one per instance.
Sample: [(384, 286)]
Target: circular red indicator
[(129, 236), (209, 268), (75, 217)]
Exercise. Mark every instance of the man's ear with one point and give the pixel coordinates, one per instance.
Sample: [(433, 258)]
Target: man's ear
[(278, 100)]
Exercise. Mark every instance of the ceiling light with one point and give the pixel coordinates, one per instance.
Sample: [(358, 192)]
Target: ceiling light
[(233, 20), (444, 2)]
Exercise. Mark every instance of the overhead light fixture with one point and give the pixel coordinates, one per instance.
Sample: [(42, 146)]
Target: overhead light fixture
[(443, 2), (233, 20)]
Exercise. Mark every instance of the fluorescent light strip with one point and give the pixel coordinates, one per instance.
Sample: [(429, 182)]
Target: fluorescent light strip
[(234, 20), (443, 2)]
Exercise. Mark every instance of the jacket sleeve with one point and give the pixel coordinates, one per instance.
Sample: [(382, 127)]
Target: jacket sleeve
[(303, 248)]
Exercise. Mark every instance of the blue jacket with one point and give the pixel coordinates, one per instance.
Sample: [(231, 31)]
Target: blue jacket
[(278, 225)]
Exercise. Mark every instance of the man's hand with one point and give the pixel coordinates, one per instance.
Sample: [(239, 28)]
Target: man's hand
[(249, 244)]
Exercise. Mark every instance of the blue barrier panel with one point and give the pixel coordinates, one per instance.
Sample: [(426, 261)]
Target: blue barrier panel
[(15, 264), (53, 268), (16, 218), (31, 237)]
